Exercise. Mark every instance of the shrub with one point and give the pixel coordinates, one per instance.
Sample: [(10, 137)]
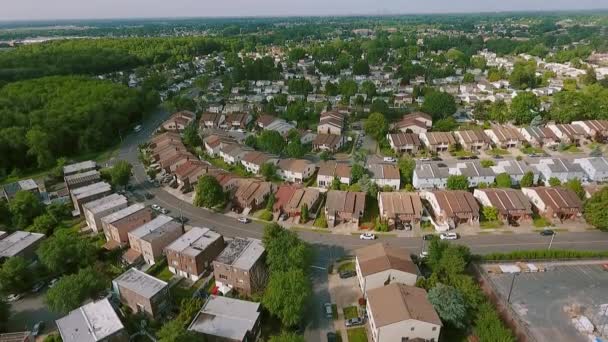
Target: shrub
[(265, 215), (545, 254)]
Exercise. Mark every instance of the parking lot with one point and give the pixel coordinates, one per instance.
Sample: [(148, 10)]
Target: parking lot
[(29, 310), (547, 301)]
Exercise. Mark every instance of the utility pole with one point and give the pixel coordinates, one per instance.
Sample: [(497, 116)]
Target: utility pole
[(511, 288), (551, 242)]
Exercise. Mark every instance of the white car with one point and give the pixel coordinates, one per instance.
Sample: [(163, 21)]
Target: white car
[(13, 298), (53, 282), (390, 159), (367, 236), (137, 128), (448, 236), (155, 207), (164, 211), (243, 220)]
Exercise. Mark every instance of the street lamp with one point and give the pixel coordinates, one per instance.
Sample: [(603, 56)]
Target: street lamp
[(511, 288), (551, 242)]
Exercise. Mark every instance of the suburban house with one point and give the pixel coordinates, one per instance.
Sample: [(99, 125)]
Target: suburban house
[(404, 142), (516, 169), (399, 312), (214, 142), (378, 265), (241, 267), (237, 121), (265, 120), (252, 194), (556, 204), (192, 253), (92, 322), (253, 161), (344, 207), (330, 170), (562, 169), (10, 190), (84, 166), (398, 208), (175, 159), (179, 121), (188, 173), (149, 240), (21, 244), (283, 195), (473, 139), (328, 142), (281, 126), (117, 226), (94, 211), (89, 193), (295, 170), (416, 123), (81, 179), (300, 197), (165, 139), (430, 176), (505, 136), (452, 207), (437, 141), (474, 172), (568, 133), (539, 136), (512, 204), (228, 319), (594, 128), (331, 123), (385, 175), (595, 167), (211, 120), (142, 292), (232, 154)]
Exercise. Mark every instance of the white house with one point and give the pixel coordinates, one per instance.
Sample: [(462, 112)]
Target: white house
[(385, 175), (295, 170), (595, 167), (430, 176), (474, 172), (562, 169), (516, 169)]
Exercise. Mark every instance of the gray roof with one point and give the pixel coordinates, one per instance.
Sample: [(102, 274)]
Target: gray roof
[(194, 241), (474, 169), (91, 190), (17, 242), (431, 170), (23, 185), (599, 164), (556, 165), (140, 282), (91, 322), (241, 253), (82, 177), (155, 228), (130, 210), (226, 317), (85, 165), (105, 203), (513, 167)]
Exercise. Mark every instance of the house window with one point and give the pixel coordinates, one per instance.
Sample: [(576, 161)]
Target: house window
[(434, 328), (223, 277), (412, 328)]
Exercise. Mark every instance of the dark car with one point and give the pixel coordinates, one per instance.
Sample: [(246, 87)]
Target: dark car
[(547, 232), (347, 274), (498, 156), (436, 159), (148, 196), (38, 327), (427, 237), (332, 337)]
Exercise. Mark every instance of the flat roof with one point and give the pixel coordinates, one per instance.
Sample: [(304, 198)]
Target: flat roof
[(130, 210), (241, 253), (91, 190), (195, 241), (226, 317), (154, 228), (140, 282), (105, 203), (85, 165), (17, 242), (82, 177), (91, 322)]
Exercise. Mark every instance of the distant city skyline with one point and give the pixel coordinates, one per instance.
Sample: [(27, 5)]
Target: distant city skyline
[(110, 9)]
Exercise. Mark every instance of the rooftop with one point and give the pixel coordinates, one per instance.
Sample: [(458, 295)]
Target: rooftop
[(384, 171), (431, 170), (90, 190), (397, 302), (379, 257), (85, 165), (345, 201), (194, 241), (241, 253), (105, 203), (225, 317), (400, 203), (91, 322), (332, 168), (456, 203), (508, 201), (17, 242), (82, 177), (405, 139), (130, 210), (140, 282), (155, 228)]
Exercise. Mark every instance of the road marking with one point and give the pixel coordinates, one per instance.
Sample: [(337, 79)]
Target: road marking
[(318, 267)]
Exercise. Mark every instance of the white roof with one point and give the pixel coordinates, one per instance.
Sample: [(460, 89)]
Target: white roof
[(17, 242), (226, 317), (152, 227), (194, 241), (242, 253), (91, 190), (130, 210), (85, 165), (90, 323), (105, 203), (140, 282)]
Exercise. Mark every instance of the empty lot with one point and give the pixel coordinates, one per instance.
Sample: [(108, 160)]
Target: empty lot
[(542, 299)]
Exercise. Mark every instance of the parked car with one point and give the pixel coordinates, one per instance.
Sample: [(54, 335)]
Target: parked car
[(329, 311), (332, 337), (243, 220), (283, 217), (38, 327), (53, 282), (164, 211), (347, 274), (427, 237), (423, 255), (448, 236), (353, 322), (367, 236), (13, 297), (155, 207), (389, 159), (137, 129), (547, 232), (38, 286), (148, 196)]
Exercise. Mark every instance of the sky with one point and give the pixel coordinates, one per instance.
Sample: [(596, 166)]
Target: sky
[(94, 9)]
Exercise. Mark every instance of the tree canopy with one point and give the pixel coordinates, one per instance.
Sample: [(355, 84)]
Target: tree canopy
[(24, 208), (457, 182), (209, 192), (595, 209), (65, 252), (72, 290), (376, 126), (15, 276), (439, 104)]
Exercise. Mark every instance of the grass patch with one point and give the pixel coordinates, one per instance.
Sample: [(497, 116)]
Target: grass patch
[(314, 230), (350, 312), (181, 291), (368, 221), (347, 266), (357, 335), (163, 274), (571, 149), (498, 152), (532, 150), (334, 311), (541, 222), (462, 153), (263, 214), (490, 224)]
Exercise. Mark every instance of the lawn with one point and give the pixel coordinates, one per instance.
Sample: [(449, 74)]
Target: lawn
[(532, 150), (490, 224), (371, 213), (498, 151), (347, 266), (350, 312), (572, 149), (163, 274), (462, 153), (357, 335), (181, 291)]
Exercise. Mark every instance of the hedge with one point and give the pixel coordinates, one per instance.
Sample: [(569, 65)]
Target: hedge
[(545, 254)]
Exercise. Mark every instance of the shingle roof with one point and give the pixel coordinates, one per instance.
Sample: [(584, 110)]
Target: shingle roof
[(397, 302), (508, 201), (345, 202), (457, 203), (379, 257), (405, 139), (400, 203)]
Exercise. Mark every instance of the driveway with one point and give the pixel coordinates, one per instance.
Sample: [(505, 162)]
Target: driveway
[(30, 310)]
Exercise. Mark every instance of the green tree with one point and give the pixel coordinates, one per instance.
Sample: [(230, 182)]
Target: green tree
[(499, 111), (524, 107), (5, 313), (270, 202), (457, 182), (72, 290), (490, 213), (15, 276), (24, 207), (487, 163), (376, 126), (284, 249), (523, 75), (209, 192), (407, 165), (304, 213), (287, 336), (331, 89), (335, 184), (175, 330), (53, 338), (356, 172), (439, 104), (287, 294), (5, 213), (268, 170), (120, 173), (347, 87), (450, 305), (553, 181), (44, 224), (368, 88), (576, 186), (503, 180), (489, 327), (468, 78), (527, 180), (595, 209), (295, 149), (271, 141), (190, 136), (361, 67), (65, 252), (39, 143), (445, 125)]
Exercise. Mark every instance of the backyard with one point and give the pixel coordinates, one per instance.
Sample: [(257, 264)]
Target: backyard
[(357, 334)]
